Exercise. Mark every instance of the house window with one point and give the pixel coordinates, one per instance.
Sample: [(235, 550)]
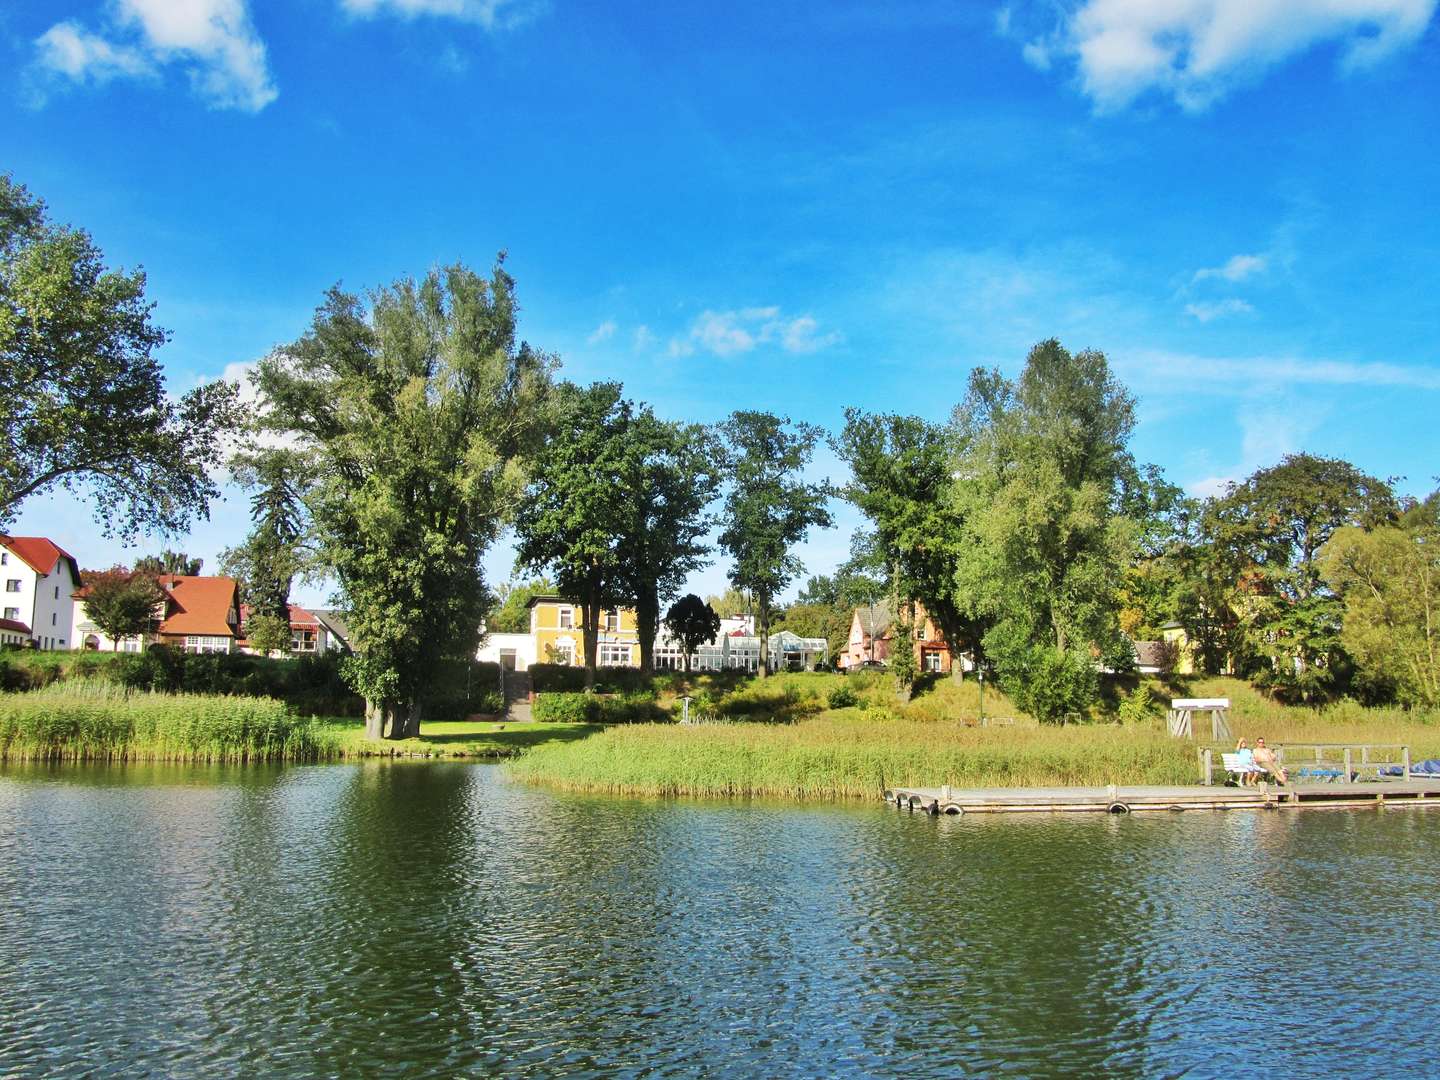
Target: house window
[(563, 653), (567, 618), (207, 644), (920, 634), (53, 616), (302, 641), (57, 592), (12, 613), (932, 661), (612, 655), (12, 584), (4, 558), (610, 622)]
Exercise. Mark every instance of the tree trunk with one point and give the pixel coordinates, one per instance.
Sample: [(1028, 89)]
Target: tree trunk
[(590, 632), (647, 620), (391, 719), (762, 627)]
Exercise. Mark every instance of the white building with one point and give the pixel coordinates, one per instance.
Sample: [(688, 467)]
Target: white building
[(513, 652), (38, 578)]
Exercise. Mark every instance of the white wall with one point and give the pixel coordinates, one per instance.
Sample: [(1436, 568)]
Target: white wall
[(83, 627), (44, 601), (523, 644)]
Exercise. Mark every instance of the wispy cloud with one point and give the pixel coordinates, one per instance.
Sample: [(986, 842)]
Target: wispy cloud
[(213, 41), (1236, 268), (604, 332), (727, 333), (1197, 51), (1207, 312), (1246, 373), (1267, 434), (491, 14)]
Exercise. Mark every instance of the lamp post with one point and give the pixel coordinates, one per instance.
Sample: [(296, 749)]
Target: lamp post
[(980, 674)]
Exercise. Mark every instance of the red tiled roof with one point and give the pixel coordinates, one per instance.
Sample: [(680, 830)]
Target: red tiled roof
[(12, 624), (39, 553), (198, 605), (298, 616)]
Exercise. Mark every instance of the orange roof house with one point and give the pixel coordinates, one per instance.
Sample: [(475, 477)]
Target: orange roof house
[(40, 554), (202, 614)]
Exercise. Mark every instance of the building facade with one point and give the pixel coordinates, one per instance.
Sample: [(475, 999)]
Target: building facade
[(39, 579)]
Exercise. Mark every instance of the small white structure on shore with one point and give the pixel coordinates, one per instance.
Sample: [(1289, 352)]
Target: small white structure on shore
[(1183, 710)]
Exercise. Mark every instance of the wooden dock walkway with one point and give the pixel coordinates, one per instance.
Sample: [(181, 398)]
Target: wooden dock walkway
[(1124, 800)]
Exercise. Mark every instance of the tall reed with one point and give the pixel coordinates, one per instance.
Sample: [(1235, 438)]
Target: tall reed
[(83, 720)]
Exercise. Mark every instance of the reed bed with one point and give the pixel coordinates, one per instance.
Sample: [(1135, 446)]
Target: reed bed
[(845, 755), (98, 721)]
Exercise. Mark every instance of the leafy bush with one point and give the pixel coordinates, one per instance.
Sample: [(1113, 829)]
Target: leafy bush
[(842, 697), (1138, 707), (570, 708), (459, 688), (556, 678)]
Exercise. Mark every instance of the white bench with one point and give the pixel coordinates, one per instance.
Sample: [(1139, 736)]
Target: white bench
[(1235, 769)]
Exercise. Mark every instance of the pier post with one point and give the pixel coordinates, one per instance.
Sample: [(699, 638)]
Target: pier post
[(1207, 759), (1405, 758), (1347, 765)]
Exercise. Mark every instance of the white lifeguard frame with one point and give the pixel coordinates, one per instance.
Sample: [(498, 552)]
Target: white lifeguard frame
[(1181, 720)]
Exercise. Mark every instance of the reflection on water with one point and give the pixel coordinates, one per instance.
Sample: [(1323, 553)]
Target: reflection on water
[(399, 919)]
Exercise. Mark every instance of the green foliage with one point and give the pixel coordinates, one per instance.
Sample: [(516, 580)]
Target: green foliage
[(459, 689), (546, 678), (769, 509), (169, 562), (513, 614), (1140, 706), (903, 665), (273, 555), (1048, 684), (693, 622), (1389, 580), (842, 697), (121, 603), (101, 721), (268, 634), (418, 418), (583, 708), (731, 603), (83, 404)]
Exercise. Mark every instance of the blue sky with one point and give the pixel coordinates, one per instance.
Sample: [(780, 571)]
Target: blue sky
[(797, 207)]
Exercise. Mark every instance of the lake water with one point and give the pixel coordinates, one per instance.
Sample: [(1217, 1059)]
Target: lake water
[(432, 919)]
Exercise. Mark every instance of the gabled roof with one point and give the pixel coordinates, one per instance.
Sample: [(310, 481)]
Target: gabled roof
[(333, 619), (14, 624), (40, 554), (875, 621), (548, 598), (198, 605), (1151, 653)]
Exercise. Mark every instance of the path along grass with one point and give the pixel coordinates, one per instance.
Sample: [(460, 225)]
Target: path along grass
[(845, 755)]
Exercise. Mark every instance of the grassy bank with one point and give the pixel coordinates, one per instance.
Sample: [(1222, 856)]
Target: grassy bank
[(846, 754), (468, 739), (99, 721)]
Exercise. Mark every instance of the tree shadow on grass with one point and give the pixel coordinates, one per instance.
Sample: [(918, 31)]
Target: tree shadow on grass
[(520, 738)]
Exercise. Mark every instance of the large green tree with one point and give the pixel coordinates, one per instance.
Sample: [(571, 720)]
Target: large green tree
[(1043, 477), (671, 474), (1268, 531), (693, 622), (575, 509), (419, 418), (769, 508), (1389, 581), (902, 471), (513, 614), (83, 404)]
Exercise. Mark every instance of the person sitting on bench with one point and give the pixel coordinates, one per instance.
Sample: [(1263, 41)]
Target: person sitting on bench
[(1265, 758), (1249, 770)]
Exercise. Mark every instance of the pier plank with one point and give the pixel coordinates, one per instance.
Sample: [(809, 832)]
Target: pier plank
[(1126, 799)]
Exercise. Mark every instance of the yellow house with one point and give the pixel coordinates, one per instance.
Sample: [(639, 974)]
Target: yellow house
[(1178, 638), (555, 625)]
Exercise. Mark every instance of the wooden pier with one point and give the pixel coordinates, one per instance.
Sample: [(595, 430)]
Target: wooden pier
[(1125, 800)]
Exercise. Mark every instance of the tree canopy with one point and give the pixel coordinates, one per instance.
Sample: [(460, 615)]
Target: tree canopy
[(513, 614), (693, 622), (419, 418), (83, 403), (121, 602)]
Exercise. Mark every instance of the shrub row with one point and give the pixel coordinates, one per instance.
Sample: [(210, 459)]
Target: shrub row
[(571, 708), (566, 678)]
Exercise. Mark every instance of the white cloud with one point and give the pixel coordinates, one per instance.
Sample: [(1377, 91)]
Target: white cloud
[(1205, 312), (604, 332), (644, 338), (1236, 268), (1196, 51), (212, 41), (69, 50), (726, 333), (491, 14)]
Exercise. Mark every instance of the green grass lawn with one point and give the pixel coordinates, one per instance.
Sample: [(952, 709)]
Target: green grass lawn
[(484, 739)]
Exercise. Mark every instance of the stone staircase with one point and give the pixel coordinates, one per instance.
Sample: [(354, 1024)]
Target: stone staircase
[(517, 696)]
